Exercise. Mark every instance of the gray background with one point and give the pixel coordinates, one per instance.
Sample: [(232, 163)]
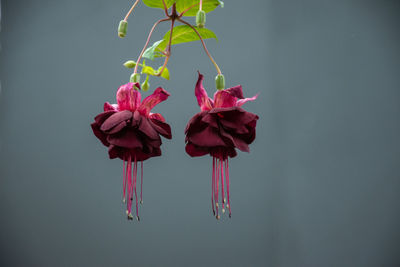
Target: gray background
[(319, 188)]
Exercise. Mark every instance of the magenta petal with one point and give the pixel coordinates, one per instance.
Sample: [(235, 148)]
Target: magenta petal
[(128, 98), (240, 102), (107, 106), (156, 116), (116, 119), (195, 151), (203, 100), (152, 100), (223, 99), (162, 128), (127, 139)]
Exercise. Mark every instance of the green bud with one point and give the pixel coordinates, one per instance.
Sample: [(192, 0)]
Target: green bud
[(135, 78), (123, 26), (220, 82), (200, 18), (130, 64), (146, 85)]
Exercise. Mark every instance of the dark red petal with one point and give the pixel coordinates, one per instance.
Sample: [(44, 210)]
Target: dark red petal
[(99, 119), (127, 139), (99, 134), (195, 151), (146, 127), (116, 119), (210, 119), (208, 137), (162, 128), (195, 124), (117, 128), (235, 91), (114, 152)]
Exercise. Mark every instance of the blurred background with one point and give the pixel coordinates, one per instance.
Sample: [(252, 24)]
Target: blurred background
[(319, 187)]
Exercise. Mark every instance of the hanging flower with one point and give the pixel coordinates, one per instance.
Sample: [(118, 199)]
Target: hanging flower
[(220, 128), (132, 134)]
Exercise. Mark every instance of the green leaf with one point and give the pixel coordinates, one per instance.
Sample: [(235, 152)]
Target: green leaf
[(150, 52), (165, 73), (184, 34), (148, 70), (208, 5), (158, 3)]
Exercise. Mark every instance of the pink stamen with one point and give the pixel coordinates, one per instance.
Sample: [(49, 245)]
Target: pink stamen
[(227, 185), (141, 182), (134, 186), (217, 191), (124, 179), (129, 171), (212, 185), (222, 185)]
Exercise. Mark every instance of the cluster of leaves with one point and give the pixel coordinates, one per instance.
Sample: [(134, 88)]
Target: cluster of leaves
[(180, 34)]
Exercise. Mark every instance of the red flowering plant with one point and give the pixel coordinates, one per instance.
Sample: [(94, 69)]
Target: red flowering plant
[(132, 133), (220, 128)]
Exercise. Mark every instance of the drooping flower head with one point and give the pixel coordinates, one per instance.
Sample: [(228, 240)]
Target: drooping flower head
[(220, 128), (132, 133)]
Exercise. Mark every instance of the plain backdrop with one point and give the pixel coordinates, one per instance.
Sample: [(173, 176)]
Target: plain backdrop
[(320, 186)]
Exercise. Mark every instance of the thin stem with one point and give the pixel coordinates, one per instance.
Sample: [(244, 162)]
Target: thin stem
[(130, 10), (147, 42), (168, 52), (201, 5), (165, 8), (204, 45)]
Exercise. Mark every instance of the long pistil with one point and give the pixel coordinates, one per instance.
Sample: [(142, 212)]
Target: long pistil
[(227, 186)]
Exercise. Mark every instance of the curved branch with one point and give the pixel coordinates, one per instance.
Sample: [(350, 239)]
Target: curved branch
[(130, 10), (204, 45), (147, 42)]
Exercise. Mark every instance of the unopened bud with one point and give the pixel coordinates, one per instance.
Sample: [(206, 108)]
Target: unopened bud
[(200, 18), (130, 64), (122, 27), (146, 85), (220, 82), (135, 78)]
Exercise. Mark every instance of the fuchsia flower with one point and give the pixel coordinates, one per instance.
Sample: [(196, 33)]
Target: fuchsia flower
[(220, 128), (132, 134)]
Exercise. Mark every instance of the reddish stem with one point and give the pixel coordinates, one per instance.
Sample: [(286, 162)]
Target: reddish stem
[(147, 42)]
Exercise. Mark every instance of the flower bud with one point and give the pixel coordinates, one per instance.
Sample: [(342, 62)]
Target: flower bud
[(123, 25), (200, 18), (135, 78), (146, 85), (220, 82), (130, 64)]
